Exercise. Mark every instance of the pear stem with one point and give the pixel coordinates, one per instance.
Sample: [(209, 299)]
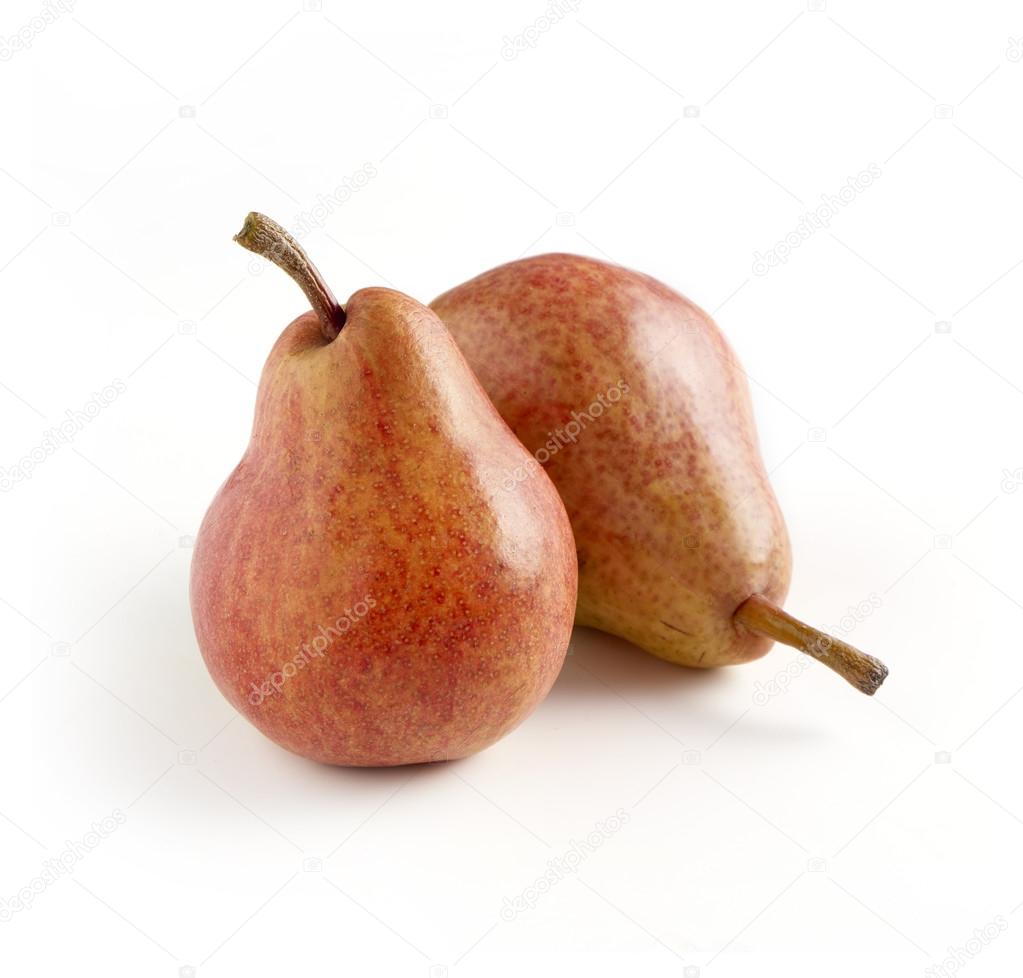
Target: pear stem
[(269, 240), (763, 617)]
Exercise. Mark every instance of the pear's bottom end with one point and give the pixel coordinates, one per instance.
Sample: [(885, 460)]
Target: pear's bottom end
[(381, 759), (388, 763)]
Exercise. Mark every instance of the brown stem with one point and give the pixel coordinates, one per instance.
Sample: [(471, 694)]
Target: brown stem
[(761, 616), (269, 240)]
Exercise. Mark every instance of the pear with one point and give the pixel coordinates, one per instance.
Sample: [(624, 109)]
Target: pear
[(363, 589), (633, 402)]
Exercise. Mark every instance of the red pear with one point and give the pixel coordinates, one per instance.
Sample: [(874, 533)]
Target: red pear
[(363, 589), (634, 403)]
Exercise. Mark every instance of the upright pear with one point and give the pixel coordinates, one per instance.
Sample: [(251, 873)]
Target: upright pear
[(363, 589), (633, 402)]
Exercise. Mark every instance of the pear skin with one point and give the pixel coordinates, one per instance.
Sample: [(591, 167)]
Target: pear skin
[(363, 590), (636, 406)]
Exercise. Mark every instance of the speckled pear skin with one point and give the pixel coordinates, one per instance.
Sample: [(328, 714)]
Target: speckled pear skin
[(674, 518), (371, 488)]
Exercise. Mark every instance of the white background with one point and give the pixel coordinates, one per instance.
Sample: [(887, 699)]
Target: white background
[(807, 832)]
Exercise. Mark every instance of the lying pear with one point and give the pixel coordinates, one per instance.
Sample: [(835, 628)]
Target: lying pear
[(363, 590), (635, 405)]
